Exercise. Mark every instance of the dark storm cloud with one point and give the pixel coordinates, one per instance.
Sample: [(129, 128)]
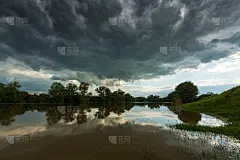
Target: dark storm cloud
[(114, 38)]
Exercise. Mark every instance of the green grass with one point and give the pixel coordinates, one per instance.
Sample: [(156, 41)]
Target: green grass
[(232, 131), (225, 106)]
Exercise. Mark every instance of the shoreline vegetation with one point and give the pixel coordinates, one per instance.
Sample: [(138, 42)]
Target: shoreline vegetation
[(72, 94), (225, 106)]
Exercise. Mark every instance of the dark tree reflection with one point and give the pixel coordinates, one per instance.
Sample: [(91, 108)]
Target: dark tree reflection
[(68, 114), (52, 116), (8, 112), (186, 116), (81, 117), (102, 113), (7, 122)]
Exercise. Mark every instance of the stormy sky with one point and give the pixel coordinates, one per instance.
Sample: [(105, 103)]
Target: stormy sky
[(142, 46)]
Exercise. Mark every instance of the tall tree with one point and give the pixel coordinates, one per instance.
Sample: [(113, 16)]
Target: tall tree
[(187, 91), (9, 93), (103, 92), (1, 92), (118, 96), (129, 98), (154, 98), (83, 88), (57, 92), (71, 93), (171, 96)]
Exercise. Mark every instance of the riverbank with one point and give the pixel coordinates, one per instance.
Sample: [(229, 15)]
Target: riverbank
[(225, 106)]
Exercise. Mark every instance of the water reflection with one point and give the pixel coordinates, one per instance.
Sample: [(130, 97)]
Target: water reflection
[(186, 116), (34, 118), (96, 121), (143, 113)]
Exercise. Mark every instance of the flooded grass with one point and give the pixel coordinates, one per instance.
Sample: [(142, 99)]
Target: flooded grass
[(225, 106), (228, 130), (222, 145)]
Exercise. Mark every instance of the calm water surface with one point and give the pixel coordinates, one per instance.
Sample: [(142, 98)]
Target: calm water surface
[(92, 132)]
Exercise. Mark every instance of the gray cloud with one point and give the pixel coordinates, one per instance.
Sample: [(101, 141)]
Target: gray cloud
[(116, 38)]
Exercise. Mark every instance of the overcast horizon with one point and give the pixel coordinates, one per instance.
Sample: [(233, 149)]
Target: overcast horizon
[(140, 46)]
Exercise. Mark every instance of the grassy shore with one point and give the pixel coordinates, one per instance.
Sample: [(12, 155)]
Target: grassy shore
[(225, 106)]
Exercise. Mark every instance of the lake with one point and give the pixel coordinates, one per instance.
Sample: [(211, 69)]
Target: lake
[(108, 131)]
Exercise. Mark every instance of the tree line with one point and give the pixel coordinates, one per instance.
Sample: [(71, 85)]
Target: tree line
[(185, 92), (58, 93)]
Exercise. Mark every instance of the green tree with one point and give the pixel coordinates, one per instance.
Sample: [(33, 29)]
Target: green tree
[(104, 93), (83, 88), (187, 91), (1, 92), (57, 92), (9, 93), (118, 96), (153, 98), (140, 99), (176, 100), (71, 94), (129, 98), (171, 96), (22, 96), (43, 98)]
